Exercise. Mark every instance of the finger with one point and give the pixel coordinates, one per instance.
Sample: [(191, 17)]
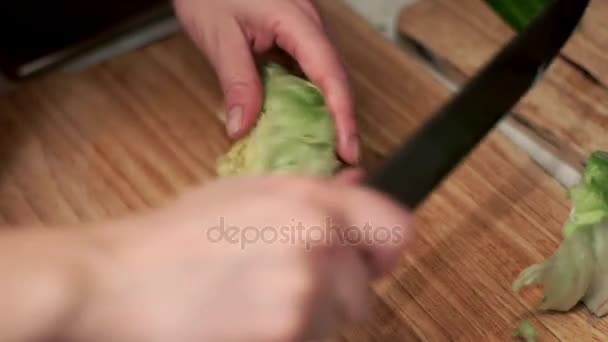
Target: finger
[(230, 54), (378, 228), (310, 10), (306, 42)]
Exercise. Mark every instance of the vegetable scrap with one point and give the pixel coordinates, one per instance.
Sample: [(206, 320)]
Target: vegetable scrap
[(526, 331), (578, 271)]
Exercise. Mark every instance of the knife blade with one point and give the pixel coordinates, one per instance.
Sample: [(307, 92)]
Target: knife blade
[(443, 142)]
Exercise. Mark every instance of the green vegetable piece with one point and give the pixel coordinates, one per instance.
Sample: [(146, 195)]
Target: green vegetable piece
[(294, 134), (518, 13), (590, 198), (578, 271), (526, 331)]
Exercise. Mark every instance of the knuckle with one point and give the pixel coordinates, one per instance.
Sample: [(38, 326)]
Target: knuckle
[(235, 85), (235, 88), (313, 13), (309, 8)]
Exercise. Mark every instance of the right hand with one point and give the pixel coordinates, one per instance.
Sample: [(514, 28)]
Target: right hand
[(168, 277)]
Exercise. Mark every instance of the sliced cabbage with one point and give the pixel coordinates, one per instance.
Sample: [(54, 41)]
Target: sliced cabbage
[(578, 271), (294, 134)]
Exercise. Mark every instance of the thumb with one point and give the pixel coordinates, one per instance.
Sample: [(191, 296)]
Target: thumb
[(230, 54)]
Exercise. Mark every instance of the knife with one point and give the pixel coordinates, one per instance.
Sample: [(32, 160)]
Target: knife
[(441, 144)]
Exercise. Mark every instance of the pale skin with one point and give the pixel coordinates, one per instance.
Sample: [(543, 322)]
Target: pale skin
[(159, 276)]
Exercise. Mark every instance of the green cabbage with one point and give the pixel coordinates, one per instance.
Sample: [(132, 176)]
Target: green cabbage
[(294, 134), (578, 271)]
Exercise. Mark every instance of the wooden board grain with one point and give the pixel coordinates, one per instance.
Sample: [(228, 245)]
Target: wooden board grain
[(586, 49), (137, 131), (567, 109)]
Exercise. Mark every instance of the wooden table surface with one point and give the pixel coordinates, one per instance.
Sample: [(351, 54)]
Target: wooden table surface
[(135, 132)]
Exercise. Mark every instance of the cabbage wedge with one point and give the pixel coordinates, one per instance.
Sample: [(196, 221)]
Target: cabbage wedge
[(578, 271), (294, 134)]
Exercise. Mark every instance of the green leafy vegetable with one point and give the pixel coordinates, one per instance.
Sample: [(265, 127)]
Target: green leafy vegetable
[(578, 271), (526, 331), (294, 134), (591, 196), (518, 13)]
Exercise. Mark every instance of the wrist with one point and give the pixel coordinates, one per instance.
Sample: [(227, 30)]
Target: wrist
[(94, 313), (47, 276)]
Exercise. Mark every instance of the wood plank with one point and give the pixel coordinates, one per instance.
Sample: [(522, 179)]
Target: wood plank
[(564, 106), (135, 132), (586, 49), (568, 110)]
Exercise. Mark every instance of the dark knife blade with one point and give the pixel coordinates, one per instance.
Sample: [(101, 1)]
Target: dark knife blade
[(422, 163)]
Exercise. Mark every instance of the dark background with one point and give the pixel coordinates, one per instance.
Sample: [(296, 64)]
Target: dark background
[(33, 29)]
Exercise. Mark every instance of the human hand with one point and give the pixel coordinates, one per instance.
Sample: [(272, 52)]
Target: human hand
[(171, 276), (230, 32)]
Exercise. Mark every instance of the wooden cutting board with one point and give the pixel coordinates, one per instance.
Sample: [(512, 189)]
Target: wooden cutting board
[(567, 111), (139, 130)]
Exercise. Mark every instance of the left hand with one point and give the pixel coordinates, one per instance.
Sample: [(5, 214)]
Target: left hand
[(230, 32)]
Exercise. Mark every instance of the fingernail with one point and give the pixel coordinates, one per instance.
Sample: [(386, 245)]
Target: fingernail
[(235, 118), (353, 146)]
